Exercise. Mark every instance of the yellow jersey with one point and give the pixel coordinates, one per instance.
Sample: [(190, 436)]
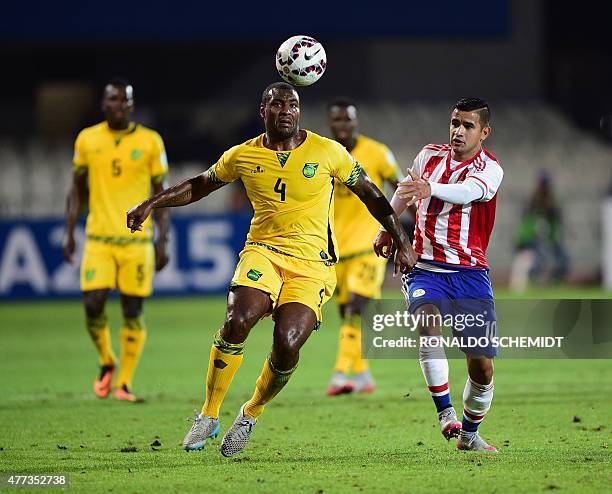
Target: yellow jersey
[(355, 226), (291, 193), (121, 166)]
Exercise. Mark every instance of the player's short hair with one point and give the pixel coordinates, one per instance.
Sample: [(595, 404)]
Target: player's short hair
[(266, 97), (120, 82), (477, 105), (340, 103)]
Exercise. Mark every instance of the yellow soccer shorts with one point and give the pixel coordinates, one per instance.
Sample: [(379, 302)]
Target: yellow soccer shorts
[(126, 267), (360, 274), (285, 278)]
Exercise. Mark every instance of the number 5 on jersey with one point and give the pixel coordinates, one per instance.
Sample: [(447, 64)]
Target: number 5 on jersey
[(116, 167), (280, 188)]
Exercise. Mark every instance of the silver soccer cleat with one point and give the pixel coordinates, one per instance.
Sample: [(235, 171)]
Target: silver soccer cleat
[(473, 442), (202, 428), (237, 437), (449, 425), (363, 382)]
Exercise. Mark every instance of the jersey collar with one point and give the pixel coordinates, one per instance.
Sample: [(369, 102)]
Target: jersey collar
[(463, 164)]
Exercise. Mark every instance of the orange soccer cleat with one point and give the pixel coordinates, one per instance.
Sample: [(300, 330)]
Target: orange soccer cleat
[(123, 394), (102, 385)]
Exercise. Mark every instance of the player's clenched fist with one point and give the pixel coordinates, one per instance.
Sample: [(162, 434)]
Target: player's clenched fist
[(383, 244), (137, 215), (405, 259)]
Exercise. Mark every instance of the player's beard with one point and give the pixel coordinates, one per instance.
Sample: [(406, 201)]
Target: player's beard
[(285, 133)]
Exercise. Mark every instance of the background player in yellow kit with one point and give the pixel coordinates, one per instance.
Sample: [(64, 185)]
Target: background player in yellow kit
[(120, 161), (287, 266), (360, 273)]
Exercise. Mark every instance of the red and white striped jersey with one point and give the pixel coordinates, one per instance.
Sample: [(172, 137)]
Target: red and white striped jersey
[(456, 234)]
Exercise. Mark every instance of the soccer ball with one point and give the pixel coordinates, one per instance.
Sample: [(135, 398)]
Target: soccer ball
[(301, 60)]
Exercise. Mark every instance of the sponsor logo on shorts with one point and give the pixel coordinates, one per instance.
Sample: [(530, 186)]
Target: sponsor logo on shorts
[(418, 293), (254, 275), (310, 169)]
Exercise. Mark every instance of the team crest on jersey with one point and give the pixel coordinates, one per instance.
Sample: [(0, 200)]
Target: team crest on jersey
[(254, 275), (418, 293), (136, 153), (310, 169), (89, 274)]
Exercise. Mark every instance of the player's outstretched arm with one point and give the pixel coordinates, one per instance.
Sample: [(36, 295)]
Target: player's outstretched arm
[(162, 221), (74, 204), (180, 194), (379, 207)]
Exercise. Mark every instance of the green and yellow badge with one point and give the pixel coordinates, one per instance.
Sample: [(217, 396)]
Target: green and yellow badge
[(254, 275), (310, 169), (136, 153)]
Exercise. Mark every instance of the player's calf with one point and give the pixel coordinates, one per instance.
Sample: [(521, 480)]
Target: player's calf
[(477, 400), (434, 366)]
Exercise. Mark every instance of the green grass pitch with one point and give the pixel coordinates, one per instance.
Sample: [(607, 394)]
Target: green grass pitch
[(550, 419)]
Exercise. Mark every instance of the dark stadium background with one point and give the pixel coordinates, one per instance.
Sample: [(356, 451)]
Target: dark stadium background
[(198, 71)]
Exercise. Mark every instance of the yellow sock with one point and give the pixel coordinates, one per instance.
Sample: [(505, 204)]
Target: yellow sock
[(359, 364), (349, 345), (100, 334), (269, 383), (225, 359), (132, 336)]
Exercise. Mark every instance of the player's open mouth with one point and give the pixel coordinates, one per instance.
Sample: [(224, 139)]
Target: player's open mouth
[(458, 142)]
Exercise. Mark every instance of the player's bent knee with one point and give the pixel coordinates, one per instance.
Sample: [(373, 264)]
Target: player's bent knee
[(357, 304), (429, 320), (481, 370), (94, 303), (289, 340), (237, 326), (132, 307)]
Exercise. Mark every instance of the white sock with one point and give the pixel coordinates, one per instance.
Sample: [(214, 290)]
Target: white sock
[(477, 400), (435, 370)]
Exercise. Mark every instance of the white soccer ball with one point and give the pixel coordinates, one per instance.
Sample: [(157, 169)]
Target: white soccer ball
[(301, 60)]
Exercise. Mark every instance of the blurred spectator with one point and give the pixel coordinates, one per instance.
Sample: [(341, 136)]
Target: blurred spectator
[(540, 254)]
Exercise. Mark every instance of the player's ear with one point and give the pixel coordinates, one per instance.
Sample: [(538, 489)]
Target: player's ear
[(486, 132), (262, 111)]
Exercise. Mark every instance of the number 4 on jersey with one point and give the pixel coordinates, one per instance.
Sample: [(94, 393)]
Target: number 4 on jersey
[(279, 188)]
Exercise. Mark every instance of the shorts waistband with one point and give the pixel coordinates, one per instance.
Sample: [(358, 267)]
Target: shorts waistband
[(119, 240), (277, 251)]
